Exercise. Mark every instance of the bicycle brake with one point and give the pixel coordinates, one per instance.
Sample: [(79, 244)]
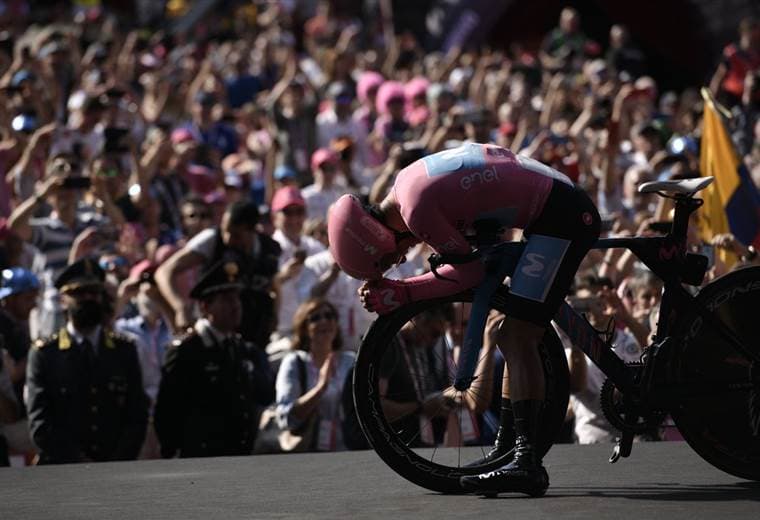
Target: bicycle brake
[(622, 447)]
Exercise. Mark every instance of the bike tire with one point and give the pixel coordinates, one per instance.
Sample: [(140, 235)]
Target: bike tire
[(419, 464), (718, 427)]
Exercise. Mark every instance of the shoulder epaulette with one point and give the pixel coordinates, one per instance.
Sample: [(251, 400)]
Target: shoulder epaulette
[(190, 331)]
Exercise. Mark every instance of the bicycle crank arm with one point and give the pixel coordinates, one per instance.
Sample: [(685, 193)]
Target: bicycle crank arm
[(622, 448)]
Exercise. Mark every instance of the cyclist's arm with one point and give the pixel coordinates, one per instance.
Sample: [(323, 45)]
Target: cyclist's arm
[(444, 238)]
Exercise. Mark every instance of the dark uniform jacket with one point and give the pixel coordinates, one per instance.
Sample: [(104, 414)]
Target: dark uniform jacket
[(257, 273), (86, 404), (209, 395)]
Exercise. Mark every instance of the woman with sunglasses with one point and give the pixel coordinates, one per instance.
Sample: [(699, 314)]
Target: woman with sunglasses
[(310, 379)]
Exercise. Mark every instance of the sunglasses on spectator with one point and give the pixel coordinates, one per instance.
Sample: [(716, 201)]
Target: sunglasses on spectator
[(294, 211), (319, 316)]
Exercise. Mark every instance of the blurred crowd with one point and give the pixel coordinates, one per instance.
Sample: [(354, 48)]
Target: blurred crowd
[(167, 287)]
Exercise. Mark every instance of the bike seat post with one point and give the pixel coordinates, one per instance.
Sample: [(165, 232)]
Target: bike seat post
[(685, 206)]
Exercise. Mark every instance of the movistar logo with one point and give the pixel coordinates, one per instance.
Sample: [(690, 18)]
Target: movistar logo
[(536, 265)]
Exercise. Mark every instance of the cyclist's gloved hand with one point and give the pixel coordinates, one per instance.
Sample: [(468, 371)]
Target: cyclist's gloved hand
[(383, 296)]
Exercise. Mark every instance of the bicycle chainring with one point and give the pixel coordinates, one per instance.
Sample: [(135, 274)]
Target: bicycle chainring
[(619, 412)]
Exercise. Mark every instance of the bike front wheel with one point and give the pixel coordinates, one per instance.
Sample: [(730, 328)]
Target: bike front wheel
[(719, 413), (411, 352)]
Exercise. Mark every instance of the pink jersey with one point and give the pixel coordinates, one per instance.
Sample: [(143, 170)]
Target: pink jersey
[(441, 195)]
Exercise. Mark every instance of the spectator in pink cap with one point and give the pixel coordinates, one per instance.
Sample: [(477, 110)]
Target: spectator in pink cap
[(326, 188), (150, 329), (417, 111), (391, 125), (366, 92), (292, 282)]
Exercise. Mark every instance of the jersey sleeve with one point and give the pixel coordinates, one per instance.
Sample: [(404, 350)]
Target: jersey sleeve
[(443, 238)]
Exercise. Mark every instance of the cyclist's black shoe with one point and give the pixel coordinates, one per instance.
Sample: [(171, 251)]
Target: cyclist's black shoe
[(525, 474)]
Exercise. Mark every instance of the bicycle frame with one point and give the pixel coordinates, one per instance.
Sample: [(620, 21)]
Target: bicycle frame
[(664, 255)]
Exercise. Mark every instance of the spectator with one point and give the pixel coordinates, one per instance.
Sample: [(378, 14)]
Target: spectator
[(565, 47), (217, 135), (294, 115), (196, 216), (739, 60), (67, 231), (339, 289), (623, 57), (366, 90), (326, 188), (292, 282), (18, 295), (86, 401), (591, 298), (236, 238), (213, 381), (151, 332), (411, 382), (317, 347), (336, 121)]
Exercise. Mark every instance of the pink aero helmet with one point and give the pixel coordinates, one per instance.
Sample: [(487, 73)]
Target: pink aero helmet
[(357, 240)]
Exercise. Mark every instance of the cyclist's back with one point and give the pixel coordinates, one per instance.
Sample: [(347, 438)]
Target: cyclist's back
[(469, 183)]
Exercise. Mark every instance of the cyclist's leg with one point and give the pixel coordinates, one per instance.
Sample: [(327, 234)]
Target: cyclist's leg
[(557, 243)]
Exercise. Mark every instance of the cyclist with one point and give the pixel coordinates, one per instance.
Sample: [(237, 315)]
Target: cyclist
[(438, 199)]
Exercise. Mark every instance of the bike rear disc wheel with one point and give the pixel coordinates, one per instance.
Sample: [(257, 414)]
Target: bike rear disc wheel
[(718, 424), (397, 441)]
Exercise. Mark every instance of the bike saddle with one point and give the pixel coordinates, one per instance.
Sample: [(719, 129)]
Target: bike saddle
[(681, 187)]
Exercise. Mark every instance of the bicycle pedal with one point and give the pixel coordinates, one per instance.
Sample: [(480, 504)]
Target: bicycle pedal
[(622, 447)]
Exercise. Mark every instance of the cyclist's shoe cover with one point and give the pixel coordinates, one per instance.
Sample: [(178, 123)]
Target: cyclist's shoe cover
[(525, 474), (501, 447), (505, 436)]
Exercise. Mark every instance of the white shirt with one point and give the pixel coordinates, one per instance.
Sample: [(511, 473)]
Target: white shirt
[(93, 337), (590, 424), (353, 319), (319, 199), (295, 291), (329, 128)]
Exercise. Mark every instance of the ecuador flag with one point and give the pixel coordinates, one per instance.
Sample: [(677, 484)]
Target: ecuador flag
[(732, 202)]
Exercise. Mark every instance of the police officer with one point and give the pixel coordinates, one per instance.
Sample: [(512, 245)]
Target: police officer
[(212, 381), (85, 395)]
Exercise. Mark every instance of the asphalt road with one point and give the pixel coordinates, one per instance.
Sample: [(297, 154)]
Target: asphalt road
[(660, 480)]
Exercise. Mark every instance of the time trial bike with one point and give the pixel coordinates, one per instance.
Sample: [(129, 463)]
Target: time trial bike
[(702, 366)]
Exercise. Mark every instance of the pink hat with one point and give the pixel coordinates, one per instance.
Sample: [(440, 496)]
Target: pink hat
[(182, 135), (367, 81), (142, 269), (388, 91), (287, 196), (416, 87), (321, 156)]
